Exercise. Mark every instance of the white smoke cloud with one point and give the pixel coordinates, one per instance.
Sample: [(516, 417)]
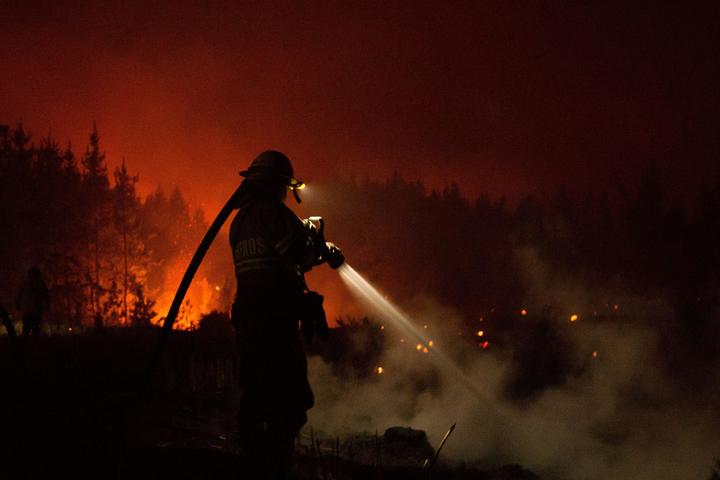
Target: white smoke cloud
[(620, 415)]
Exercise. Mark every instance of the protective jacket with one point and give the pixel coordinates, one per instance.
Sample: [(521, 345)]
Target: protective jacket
[(270, 245)]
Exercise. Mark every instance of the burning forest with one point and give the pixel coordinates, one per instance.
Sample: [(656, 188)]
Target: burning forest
[(106, 253), (271, 240)]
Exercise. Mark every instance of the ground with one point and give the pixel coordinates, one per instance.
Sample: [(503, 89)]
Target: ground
[(78, 405)]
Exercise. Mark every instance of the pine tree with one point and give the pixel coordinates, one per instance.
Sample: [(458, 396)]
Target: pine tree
[(142, 313), (125, 209), (96, 192)]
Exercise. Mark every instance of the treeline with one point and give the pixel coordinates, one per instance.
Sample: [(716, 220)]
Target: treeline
[(102, 249), (485, 254)]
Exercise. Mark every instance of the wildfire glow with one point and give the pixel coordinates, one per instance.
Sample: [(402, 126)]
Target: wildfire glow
[(201, 298)]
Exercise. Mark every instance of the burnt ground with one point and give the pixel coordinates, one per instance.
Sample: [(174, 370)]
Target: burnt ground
[(75, 406)]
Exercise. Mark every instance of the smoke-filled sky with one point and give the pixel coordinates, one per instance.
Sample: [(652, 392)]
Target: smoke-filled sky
[(495, 96)]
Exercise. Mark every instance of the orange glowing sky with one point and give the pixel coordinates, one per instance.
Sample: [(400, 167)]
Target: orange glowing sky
[(496, 97)]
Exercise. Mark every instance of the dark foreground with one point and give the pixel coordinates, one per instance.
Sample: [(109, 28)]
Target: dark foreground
[(77, 406)]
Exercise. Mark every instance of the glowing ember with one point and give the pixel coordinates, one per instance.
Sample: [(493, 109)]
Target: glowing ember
[(480, 333), (574, 317)]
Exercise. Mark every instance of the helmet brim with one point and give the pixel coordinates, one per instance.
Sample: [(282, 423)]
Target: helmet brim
[(291, 182)]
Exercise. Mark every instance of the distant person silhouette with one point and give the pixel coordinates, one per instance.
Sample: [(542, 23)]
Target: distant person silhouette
[(6, 321), (272, 249), (33, 300)]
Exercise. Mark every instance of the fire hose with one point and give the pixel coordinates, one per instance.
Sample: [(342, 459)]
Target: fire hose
[(187, 279), (326, 252)]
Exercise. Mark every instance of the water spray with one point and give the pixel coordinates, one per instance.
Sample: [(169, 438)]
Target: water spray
[(368, 293)]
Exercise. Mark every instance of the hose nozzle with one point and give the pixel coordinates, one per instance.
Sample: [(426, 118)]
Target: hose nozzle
[(334, 255)]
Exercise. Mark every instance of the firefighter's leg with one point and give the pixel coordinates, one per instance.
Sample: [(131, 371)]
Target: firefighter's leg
[(282, 432), (254, 448), (268, 444)]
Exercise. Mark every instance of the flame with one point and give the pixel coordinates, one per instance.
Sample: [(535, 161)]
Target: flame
[(202, 297)]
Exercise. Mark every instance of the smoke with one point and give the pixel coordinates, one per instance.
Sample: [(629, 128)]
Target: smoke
[(615, 413)]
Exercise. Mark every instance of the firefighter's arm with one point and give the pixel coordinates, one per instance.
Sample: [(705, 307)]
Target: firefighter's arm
[(324, 251), (303, 241), (294, 240)]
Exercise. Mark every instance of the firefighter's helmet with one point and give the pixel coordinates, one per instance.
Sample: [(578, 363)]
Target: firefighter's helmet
[(272, 165)]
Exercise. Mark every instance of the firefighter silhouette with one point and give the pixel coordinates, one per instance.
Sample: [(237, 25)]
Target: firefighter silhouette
[(272, 249), (32, 302)]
